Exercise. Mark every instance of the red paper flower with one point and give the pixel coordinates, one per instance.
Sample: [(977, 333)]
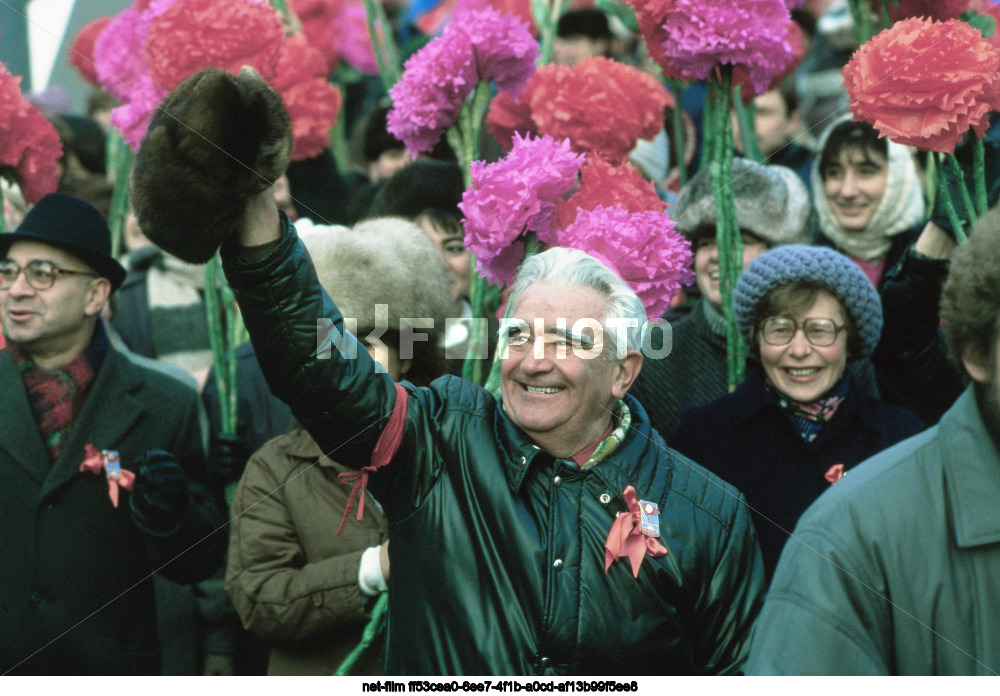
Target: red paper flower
[(81, 53), (196, 34), (603, 184), (29, 144), (312, 103), (925, 83), (317, 17), (933, 9), (508, 117), (599, 104)]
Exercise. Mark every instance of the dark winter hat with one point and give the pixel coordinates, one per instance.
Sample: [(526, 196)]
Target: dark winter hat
[(73, 225), (820, 265), (771, 202)]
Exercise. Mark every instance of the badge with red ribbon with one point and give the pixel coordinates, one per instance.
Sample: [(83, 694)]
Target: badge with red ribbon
[(109, 463), (633, 534)]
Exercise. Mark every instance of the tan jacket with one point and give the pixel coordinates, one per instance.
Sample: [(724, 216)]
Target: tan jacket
[(293, 581)]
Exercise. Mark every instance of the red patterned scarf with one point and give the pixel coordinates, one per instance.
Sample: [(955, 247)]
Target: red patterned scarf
[(57, 396)]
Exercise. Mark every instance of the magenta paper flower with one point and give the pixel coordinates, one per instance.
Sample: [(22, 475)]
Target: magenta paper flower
[(514, 196), (353, 42), (476, 46), (689, 38), (644, 249), (426, 100), (132, 118), (505, 50), (119, 54)]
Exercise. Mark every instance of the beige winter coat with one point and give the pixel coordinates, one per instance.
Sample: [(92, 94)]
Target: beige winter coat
[(293, 581)]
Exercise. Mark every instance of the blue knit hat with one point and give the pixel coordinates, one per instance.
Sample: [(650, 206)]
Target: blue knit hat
[(820, 265)]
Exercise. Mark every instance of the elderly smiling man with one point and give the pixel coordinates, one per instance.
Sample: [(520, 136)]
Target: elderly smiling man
[(547, 532)]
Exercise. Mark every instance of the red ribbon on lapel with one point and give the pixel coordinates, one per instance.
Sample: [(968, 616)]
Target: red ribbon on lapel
[(385, 449), (108, 463), (626, 537)]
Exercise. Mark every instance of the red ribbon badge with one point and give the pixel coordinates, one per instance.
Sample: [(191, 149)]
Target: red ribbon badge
[(385, 449), (108, 463), (626, 537), (834, 473)]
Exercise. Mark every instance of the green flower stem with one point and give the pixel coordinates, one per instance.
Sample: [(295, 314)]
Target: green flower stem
[(280, 5), (547, 14), (389, 43), (949, 205), (979, 173), (338, 139), (119, 198), (3, 216), (727, 230), (371, 12), (472, 369), (708, 134), (956, 171), (372, 629), (220, 308), (745, 116), (677, 131)]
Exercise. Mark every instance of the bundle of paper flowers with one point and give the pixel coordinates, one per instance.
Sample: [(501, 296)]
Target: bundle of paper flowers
[(690, 38), (29, 144), (614, 215), (144, 53), (476, 48), (601, 105)]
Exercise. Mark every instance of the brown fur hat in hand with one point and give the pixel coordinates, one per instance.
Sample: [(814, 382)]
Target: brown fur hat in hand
[(217, 141)]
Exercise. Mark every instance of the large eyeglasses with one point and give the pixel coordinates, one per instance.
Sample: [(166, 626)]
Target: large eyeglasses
[(40, 274), (779, 331)]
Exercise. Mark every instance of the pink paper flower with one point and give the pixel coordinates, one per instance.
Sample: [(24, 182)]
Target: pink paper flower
[(119, 54), (132, 118), (352, 41), (476, 46), (427, 99), (689, 38), (514, 196), (604, 184), (925, 83), (645, 250), (505, 51)]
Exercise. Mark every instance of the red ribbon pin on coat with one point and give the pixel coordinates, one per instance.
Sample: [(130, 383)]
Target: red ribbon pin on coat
[(108, 463), (633, 532)]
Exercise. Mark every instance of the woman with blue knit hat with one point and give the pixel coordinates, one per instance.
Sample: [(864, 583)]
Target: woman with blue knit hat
[(797, 423)]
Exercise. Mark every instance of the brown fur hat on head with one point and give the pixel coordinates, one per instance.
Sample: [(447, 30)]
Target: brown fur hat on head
[(217, 141), (382, 261)]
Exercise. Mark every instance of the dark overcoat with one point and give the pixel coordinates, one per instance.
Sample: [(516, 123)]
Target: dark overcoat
[(76, 591)]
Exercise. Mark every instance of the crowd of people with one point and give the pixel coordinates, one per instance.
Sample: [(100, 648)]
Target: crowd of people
[(604, 510)]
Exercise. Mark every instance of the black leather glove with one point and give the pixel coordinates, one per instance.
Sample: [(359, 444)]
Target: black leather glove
[(965, 157), (227, 457), (159, 493)]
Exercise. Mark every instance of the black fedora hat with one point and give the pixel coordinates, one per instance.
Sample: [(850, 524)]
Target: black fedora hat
[(73, 225)]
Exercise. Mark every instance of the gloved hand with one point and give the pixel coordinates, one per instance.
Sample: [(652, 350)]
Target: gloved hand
[(964, 155), (159, 493), (227, 457)]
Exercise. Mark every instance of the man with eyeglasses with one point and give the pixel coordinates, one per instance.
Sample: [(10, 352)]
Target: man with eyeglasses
[(101, 462)]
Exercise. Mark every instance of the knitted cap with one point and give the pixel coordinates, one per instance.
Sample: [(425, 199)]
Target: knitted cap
[(820, 265), (771, 202), (381, 261)]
